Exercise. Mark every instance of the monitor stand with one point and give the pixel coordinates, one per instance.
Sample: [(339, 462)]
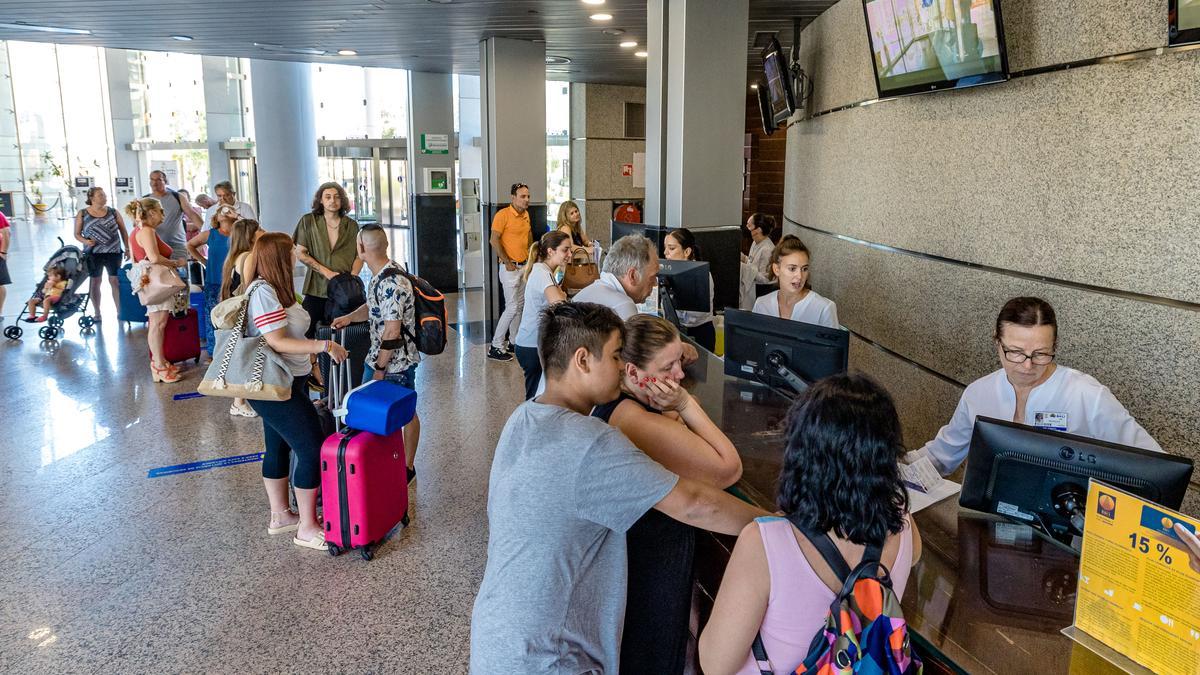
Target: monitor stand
[(779, 363)]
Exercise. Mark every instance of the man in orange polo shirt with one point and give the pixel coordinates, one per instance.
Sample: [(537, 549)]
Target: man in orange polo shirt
[(511, 239)]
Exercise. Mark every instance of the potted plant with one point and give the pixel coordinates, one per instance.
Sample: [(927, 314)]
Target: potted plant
[(38, 178)]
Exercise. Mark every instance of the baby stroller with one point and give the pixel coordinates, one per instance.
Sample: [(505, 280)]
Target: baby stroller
[(74, 261)]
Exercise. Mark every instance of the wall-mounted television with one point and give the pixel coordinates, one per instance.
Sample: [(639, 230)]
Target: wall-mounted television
[(764, 109), (925, 45), (779, 82), (1184, 18)]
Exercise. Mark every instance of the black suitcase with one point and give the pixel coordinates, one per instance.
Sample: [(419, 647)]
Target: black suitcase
[(356, 338)]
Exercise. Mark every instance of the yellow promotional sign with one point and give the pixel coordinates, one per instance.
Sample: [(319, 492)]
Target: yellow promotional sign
[(1139, 581)]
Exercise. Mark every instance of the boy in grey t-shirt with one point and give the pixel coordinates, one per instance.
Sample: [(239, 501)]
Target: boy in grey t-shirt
[(564, 488)]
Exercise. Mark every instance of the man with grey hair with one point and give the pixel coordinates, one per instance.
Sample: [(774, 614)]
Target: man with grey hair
[(629, 274), (227, 195), (175, 209)]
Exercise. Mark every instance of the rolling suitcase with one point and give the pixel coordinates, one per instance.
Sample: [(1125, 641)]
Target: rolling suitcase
[(182, 338), (364, 483), (129, 308), (356, 338)]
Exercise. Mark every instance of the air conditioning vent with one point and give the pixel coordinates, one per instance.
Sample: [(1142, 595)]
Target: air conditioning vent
[(635, 120)]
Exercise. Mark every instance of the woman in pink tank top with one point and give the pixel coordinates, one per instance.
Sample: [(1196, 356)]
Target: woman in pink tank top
[(840, 476)]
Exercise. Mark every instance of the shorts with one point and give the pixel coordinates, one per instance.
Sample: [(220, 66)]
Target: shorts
[(98, 262), (406, 378), (4, 278)]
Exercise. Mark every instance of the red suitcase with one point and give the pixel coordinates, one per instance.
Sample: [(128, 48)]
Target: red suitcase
[(364, 489), (182, 339)]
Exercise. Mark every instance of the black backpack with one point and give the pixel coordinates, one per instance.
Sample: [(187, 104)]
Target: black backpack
[(429, 310), (344, 294)]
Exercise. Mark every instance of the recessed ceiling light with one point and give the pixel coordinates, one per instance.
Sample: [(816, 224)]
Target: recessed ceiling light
[(21, 25), (601, 17), (754, 86), (641, 54), (182, 38), (629, 43), (593, 2), (347, 52), (557, 60)]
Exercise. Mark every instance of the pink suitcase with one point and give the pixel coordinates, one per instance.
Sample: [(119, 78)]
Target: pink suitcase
[(364, 489)]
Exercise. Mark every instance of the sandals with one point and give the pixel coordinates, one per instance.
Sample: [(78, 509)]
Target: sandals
[(280, 529), (243, 410), (164, 375), (317, 543)]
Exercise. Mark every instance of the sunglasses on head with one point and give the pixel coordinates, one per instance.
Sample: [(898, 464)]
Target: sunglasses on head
[(517, 186)]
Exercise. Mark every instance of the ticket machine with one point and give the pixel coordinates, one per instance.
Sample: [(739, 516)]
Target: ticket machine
[(79, 190), (124, 192)]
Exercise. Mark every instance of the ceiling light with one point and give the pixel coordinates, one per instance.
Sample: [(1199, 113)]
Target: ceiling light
[(593, 2), (601, 17), (754, 87), (347, 52), (21, 25), (628, 43), (641, 54), (557, 60), (182, 38)]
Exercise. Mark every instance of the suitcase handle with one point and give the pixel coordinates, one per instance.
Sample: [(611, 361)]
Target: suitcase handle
[(339, 386)]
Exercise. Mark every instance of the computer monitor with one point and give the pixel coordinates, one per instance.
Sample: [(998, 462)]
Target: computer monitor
[(721, 248), (782, 353), (654, 233), (1040, 477), (683, 286)]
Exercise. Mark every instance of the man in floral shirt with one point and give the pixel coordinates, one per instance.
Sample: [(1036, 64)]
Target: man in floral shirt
[(393, 355)]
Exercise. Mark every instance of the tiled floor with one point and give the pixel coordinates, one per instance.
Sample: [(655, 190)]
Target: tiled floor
[(106, 570)]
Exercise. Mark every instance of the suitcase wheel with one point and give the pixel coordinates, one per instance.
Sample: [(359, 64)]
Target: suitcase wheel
[(366, 552), (404, 520), (334, 550)]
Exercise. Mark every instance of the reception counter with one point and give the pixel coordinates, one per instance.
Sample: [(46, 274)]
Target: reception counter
[(987, 596)]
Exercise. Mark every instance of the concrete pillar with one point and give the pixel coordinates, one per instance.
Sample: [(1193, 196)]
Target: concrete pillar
[(513, 103), (695, 112), (129, 163), (223, 109), (285, 139), (432, 210)]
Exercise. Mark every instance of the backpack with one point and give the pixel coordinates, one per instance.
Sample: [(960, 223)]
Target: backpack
[(864, 631), (429, 310), (344, 294)]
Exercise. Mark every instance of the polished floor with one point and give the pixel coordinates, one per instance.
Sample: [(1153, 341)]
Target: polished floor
[(107, 570)]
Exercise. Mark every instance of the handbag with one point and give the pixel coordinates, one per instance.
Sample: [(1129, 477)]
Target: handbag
[(580, 271), (227, 313), (248, 367), (158, 283)]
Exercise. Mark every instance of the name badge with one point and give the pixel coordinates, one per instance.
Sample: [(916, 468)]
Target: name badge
[(1056, 421)]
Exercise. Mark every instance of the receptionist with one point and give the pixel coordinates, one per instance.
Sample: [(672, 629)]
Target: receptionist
[(1032, 389)]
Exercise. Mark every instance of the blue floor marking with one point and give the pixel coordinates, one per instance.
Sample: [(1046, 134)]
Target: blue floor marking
[(204, 465)]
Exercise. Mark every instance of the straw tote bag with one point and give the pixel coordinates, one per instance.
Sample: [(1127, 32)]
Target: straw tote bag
[(247, 367)]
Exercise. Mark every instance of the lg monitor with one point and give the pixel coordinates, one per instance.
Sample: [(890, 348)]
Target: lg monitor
[(684, 286), (1040, 477), (765, 114), (925, 46), (781, 353)]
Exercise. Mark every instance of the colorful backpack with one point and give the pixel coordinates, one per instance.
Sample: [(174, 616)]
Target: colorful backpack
[(864, 631), (429, 308)]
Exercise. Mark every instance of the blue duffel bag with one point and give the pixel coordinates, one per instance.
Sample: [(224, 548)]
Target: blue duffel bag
[(380, 407)]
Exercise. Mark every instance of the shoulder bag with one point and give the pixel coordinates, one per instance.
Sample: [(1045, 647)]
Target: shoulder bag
[(247, 367), (580, 271)]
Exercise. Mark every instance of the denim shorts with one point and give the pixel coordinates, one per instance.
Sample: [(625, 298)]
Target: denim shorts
[(405, 378)]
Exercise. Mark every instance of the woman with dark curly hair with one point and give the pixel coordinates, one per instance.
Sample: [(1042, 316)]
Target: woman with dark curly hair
[(326, 242), (840, 480)]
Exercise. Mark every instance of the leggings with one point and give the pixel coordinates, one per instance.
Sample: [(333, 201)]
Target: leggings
[(292, 426), (532, 365)]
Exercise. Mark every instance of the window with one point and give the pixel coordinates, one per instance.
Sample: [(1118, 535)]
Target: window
[(558, 147)]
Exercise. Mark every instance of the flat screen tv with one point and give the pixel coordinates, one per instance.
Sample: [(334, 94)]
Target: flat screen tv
[(1184, 17), (925, 45), (764, 109), (779, 82)]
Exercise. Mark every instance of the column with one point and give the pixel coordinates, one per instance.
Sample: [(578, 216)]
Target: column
[(223, 109), (513, 104), (285, 140), (695, 115), (129, 163), (431, 178)]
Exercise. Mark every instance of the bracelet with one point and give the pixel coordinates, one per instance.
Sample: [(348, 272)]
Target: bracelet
[(325, 349)]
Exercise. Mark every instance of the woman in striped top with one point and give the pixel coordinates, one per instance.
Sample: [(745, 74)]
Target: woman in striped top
[(291, 425)]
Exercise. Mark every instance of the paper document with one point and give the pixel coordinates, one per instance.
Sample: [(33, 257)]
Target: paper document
[(925, 485)]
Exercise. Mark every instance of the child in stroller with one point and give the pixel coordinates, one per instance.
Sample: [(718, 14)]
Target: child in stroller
[(48, 295), (66, 273)]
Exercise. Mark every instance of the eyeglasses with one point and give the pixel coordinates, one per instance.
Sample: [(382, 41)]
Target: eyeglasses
[(1018, 356)]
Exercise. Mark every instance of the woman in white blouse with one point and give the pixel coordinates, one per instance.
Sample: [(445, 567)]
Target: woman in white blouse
[(795, 300), (1030, 388)]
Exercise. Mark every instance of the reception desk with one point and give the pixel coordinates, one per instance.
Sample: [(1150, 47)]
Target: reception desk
[(987, 596)]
